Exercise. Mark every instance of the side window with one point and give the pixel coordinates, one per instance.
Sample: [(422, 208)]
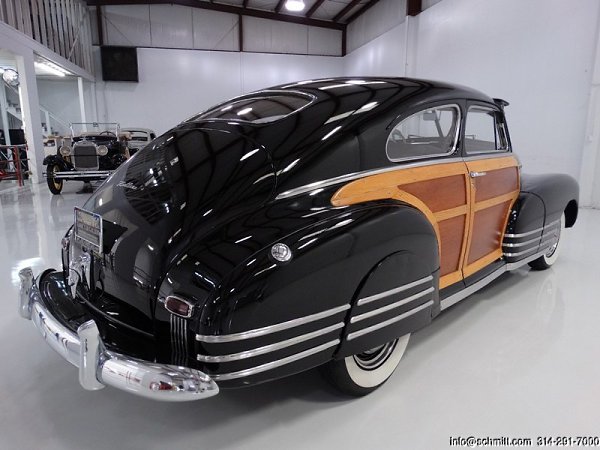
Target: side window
[(431, 132), (485, 131)]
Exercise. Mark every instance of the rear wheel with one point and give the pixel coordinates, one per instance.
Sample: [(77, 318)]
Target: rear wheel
[(54, 184), (545, 261), (362, 373)]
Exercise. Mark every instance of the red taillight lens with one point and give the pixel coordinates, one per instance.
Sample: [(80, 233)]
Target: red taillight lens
[(178, 306)]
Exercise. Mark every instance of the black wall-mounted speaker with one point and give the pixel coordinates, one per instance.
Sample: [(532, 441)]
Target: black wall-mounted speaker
[(119, 63)]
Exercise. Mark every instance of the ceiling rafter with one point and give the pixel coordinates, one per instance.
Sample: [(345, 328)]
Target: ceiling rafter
[(262, 14), (361, 11), (279, 6), (314, 7), (345, 10), (414, 7)]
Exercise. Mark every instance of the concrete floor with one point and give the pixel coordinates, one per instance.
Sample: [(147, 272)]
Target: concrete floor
[(518, 359)]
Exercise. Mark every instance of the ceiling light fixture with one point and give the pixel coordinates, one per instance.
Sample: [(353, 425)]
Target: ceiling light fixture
[(47, 68), (295, 5)]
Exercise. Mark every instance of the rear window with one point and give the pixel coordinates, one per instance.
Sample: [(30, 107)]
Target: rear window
[(259, 109)]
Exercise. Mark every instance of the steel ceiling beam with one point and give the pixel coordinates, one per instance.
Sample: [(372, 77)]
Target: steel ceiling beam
[(414, 7), (314, 7), (361, 11), (279, 6), (346, 9), (227, 9)]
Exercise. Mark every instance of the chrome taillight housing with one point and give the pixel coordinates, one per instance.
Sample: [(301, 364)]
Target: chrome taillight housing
[(179, 306)]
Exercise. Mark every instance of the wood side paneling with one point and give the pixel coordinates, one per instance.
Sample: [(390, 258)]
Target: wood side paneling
[(439, 191), (468, 214), (495, 183), (486, 235), (440, 194), (451, 235)]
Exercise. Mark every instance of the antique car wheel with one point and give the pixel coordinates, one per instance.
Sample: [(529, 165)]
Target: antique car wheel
[(54, 184), (546, 260), (362, 373)]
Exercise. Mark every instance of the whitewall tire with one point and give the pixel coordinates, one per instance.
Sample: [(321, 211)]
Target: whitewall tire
[(549, 258), (362, 373)]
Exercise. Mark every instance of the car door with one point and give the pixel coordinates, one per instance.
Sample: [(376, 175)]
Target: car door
[(494, 184)]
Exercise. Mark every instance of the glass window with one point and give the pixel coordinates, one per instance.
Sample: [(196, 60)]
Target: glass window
[(260, 109), (430, 132), (484, 131)]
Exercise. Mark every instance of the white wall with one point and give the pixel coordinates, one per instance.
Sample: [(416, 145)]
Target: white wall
[(175, 26), (538, 55), (376, 21), (175, 84)]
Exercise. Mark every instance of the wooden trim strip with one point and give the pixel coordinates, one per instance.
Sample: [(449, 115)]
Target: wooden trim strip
[(450, 213), (475, 266), (485, 165), (510, 196), (451, 278), (354, 191)]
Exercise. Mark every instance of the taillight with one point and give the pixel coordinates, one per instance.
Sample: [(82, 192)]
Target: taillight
[(178, 306)]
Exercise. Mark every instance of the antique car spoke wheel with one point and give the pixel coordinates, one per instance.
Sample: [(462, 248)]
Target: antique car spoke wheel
[(364, 372), (55, 185), (550, 257)]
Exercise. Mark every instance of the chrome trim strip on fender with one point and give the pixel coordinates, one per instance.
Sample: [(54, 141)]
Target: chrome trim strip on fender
[(524, 252), (269, 348), (274, 364), (270, 328), (521, 244), (389, 321), (527, 233), (404, 287), (356, 175), (383, 309)]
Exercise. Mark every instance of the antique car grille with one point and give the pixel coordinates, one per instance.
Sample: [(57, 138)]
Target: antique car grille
[(84, 156)]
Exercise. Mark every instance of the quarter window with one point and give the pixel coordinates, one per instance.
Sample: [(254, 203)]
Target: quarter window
[(485, 131), (431, 132)]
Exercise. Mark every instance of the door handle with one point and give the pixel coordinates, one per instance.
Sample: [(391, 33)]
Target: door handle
[(477, 174)]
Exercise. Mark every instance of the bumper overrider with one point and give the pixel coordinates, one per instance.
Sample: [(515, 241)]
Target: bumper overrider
[(99, 367)]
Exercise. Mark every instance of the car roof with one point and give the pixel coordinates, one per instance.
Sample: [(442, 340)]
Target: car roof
[(394, 85)]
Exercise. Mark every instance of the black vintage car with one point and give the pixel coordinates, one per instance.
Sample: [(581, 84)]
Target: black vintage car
[(318, 223), (88, 155)]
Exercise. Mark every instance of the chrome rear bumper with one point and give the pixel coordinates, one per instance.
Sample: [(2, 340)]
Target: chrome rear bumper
[(99, 367)]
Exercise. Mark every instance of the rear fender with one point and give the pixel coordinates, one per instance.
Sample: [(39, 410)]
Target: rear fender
[(333, 262), (400, 291)]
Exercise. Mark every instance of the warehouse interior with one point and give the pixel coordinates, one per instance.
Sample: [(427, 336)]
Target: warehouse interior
[(516, 359)]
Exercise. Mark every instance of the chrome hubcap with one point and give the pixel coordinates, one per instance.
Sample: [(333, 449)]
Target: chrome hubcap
[(57, 182), (554, 246), (375, 357)]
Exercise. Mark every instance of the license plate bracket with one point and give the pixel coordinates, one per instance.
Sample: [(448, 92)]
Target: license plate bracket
[(87, 230)]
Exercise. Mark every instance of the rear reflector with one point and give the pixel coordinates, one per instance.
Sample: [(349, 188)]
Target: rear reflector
[(178, 306)]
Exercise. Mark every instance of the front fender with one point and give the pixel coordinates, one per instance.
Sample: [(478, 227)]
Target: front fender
[(52, 160)]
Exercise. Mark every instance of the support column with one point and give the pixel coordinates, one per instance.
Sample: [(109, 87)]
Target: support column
[(48, 127), (81, 101), (4, 115), (589, 177), (30, 111)]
